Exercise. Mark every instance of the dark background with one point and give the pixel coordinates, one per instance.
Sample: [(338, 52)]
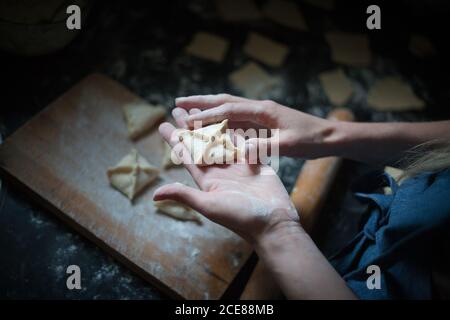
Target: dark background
[(141, 46)]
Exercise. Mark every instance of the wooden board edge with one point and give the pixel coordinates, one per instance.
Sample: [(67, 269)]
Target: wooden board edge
[(44, 203)]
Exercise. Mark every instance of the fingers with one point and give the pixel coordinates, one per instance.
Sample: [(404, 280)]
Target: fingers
[(233, 111), (193, 198), (194, 111), (180, 116), (206, 101), (168, 132), (258, 150)]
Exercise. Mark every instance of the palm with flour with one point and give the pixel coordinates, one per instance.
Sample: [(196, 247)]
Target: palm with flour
[(247, 199)]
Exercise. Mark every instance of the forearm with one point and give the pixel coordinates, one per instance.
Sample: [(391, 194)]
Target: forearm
[(380, 143), (299, 268)]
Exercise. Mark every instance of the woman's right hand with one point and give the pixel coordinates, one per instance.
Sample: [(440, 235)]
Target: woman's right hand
[(300, 134)]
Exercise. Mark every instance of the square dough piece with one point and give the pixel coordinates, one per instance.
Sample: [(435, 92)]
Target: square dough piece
[(208, 46), (349, 48), (337, 86), (177, 210), (267, 51), (285, 13), (141, 117), (132, 174), (238, 10), (253, 80), (209, 145), (393, 94)]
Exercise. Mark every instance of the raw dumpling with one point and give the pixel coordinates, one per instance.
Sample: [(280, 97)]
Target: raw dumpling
[(167, 157), (141, 116), (132, 174), (177, 210), (210, 145)]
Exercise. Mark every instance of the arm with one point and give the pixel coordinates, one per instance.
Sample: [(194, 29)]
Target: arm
[(381, 143), (299, 268), (251, 201), (307, 136)]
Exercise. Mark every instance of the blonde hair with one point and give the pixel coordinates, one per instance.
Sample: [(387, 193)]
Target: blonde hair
[(432, 156)]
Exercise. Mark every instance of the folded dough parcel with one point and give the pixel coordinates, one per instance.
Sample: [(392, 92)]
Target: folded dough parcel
[(209, 145)]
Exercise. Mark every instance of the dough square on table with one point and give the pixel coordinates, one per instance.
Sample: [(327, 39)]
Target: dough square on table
[(285, 13), (421, 46), (238, 10), (253, 80), (322, 4), (349, 48), (132, 174), (177, 210), (209, 145), (265, 50), (337, 86), (393, 94), (141, 117), (208, 46)]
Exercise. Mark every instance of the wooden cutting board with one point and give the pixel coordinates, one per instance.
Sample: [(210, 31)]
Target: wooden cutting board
[(61, 156)]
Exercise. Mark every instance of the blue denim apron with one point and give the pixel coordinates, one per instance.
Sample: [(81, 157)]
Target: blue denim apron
[(400, 236)]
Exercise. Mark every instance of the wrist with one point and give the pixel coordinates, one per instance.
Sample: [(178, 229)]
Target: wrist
[(327, 139), (340, 138), (279, 233)]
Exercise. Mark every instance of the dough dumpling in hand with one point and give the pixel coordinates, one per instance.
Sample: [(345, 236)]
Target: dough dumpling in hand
[(132, 174), (177, 210), (210, 145), (141, 117), (167, 161)]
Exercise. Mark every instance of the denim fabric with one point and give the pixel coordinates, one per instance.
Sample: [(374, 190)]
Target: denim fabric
[(399, 235)]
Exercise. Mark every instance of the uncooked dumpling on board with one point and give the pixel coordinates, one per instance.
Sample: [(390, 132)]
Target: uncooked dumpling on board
[(177, 210), (393, 94), (167, 157), (253, 80), (132, 174), (209, 145), (141, 117)]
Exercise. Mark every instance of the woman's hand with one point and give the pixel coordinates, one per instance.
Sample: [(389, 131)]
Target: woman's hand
[(252, 201), (300, 134), (248, 199)]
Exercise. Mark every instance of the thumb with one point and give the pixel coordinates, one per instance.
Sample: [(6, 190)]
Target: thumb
[(193, 198), (257, 150)]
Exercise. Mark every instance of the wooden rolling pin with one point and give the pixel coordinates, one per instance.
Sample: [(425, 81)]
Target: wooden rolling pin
[(309, 194)]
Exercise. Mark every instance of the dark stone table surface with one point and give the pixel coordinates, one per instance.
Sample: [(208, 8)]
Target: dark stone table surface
[(141, 46)]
